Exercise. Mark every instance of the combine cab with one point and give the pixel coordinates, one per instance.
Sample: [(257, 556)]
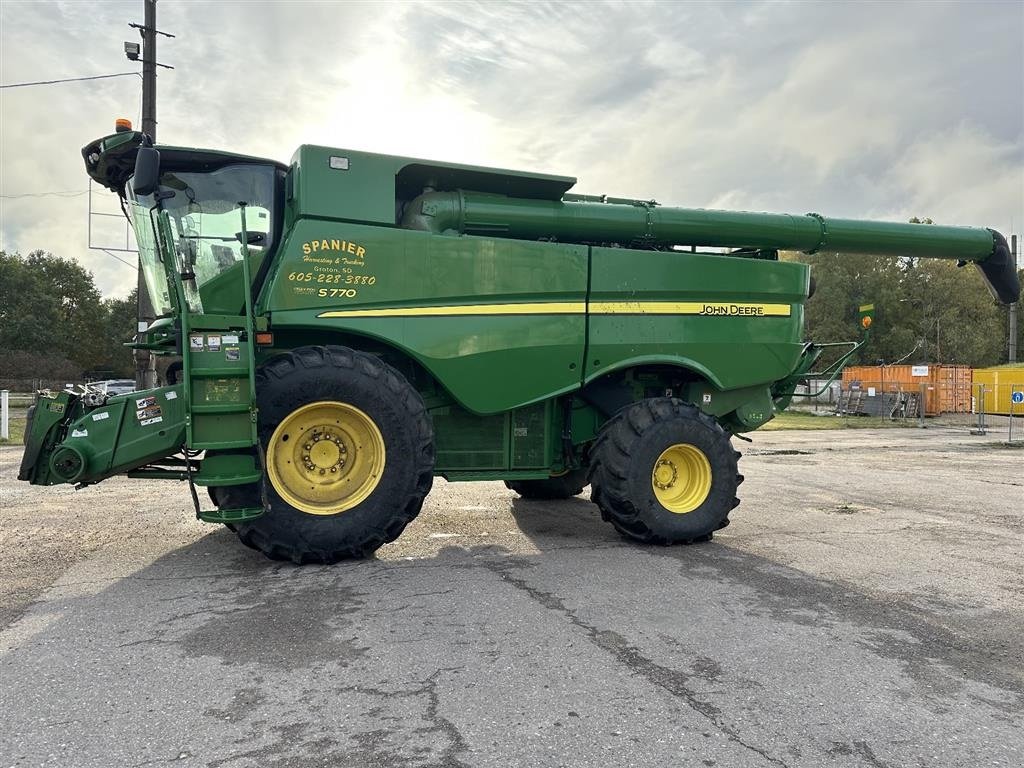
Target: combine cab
[(352, 324)]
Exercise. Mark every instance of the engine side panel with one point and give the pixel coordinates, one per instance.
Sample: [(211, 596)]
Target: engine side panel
[(500, 323)]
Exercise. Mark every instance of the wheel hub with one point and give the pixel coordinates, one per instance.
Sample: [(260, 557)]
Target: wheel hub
[(665, 474), (325, 457), (681, 478)]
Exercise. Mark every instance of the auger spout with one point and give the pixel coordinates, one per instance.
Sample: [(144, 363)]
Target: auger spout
[(644, 222)]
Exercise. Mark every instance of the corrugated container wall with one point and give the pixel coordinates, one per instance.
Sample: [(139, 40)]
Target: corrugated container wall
[(947, 388), (1000, 383)]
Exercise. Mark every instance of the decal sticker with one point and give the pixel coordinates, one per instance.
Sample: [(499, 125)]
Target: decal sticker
[(325, 246), (232, 353), (707, 398), (101, 416), (147, 422), (558, 308), (172, 395), (145, 402), (195, 341), (213, 342), (80, 433), (55, 407), (230, 338), (148, 413)]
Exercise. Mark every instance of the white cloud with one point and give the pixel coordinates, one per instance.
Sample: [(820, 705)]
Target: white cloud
[(882, 110)]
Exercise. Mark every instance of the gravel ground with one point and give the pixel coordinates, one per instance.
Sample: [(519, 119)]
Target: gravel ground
[(863, 609)]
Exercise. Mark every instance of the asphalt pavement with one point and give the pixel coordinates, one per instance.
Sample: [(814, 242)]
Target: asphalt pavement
[(864, 609)]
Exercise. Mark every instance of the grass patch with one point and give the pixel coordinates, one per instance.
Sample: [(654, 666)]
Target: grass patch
[(17, 423), (798, 420)]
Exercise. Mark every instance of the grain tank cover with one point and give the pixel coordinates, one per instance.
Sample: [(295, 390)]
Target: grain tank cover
[(533, 186), (336, 183)]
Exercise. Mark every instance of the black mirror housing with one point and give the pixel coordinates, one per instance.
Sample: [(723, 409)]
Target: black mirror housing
[(147, 171)]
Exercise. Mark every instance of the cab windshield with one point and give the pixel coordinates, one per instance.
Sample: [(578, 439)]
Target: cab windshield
[(202, 208)]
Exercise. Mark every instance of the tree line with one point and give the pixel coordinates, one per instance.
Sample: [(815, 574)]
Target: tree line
[(54, 324), (926, 310)]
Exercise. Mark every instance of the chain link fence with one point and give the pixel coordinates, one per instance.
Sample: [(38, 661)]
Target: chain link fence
[(999, 409)]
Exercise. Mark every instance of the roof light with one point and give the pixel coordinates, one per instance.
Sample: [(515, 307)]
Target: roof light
[(122, 124)]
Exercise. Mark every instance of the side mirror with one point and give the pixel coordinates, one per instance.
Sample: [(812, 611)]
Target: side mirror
[(147, 171)]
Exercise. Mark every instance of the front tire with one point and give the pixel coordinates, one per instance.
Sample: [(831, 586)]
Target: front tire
[(663, 472), (349, 455)]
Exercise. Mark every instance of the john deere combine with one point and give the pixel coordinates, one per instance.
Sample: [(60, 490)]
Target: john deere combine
[(352, 324)]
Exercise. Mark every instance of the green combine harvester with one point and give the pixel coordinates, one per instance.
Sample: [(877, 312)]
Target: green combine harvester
[(352, 324)]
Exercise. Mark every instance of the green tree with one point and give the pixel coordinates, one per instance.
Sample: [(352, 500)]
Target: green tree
[(120, 328), (926, 310), (52, 312)]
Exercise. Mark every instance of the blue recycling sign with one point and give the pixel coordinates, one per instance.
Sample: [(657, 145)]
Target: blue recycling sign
[(1017, 397)]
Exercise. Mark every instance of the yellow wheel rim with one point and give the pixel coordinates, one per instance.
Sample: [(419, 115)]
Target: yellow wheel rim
[(681, 478), (325, 457)]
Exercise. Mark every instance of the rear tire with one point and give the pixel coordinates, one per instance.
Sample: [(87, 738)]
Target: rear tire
[(663, 472), (389, 484), (564, 486)]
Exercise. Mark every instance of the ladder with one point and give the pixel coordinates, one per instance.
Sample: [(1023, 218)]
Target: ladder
[(219, 378)]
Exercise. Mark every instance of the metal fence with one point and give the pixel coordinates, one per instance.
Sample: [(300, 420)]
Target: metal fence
[(31, 385), (886, 399), (997, 408)]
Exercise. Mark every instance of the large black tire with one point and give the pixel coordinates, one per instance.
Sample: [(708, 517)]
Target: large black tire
[(564, 486), (315, 374), (626, 456)]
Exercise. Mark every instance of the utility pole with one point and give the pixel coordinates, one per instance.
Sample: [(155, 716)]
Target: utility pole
[(1013, 307), (149, 70), (145, 361)]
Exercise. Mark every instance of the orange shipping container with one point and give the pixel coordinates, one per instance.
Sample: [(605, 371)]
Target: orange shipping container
[(947, 388)]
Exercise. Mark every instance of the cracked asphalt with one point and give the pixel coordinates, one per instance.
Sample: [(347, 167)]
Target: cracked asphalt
[(863, 609)]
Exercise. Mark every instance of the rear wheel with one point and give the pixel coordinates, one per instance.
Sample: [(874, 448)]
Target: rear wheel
[(564, 486), (349, 455), (664, 472)]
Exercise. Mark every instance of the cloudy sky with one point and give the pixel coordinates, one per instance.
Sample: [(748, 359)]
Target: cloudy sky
[(882, 110)]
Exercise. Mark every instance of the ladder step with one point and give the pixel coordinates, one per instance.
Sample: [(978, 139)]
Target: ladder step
[(230, 515), (219, 445), (253, 477), (238, 371), (221, 408), (228, 469)]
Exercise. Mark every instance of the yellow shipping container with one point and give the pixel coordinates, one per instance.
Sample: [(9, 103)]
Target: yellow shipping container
[(1000, 383)]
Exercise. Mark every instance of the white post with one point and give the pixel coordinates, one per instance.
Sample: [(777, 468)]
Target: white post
[(5, 421)]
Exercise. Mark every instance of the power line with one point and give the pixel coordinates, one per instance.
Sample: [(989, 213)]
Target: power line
[(69, 193), (70, 80)]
